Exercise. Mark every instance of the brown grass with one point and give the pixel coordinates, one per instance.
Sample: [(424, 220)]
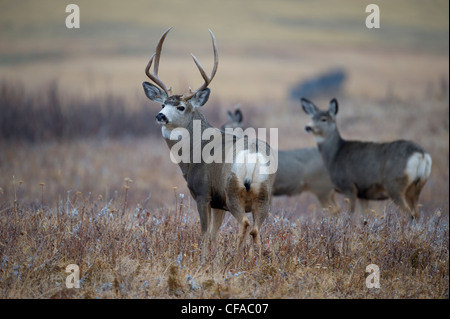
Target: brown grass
[(154, 253)]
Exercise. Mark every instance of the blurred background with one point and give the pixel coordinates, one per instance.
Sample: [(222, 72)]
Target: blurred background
[(74, 116)]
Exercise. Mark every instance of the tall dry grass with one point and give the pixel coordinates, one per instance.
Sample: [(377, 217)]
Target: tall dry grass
[(126, 250)]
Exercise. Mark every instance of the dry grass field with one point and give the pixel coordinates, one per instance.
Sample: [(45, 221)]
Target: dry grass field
[(86, 179), (128, 251)]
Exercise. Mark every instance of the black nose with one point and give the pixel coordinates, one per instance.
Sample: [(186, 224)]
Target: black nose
[(161, 118), (308, 129)]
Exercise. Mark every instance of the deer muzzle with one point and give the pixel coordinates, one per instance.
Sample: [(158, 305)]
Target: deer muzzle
[(161, 118)]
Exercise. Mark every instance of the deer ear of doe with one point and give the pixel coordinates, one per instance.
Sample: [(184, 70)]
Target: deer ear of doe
[(238, 115), (333, 109), (200, 98), (308, 106), (154, 93)]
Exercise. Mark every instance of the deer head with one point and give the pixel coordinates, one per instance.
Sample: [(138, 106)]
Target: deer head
[(323, 123), (177, 110), (234, 119)]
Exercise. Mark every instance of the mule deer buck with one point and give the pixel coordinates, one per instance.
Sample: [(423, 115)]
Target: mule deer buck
[(299, 170), (238, 186), (369, 170)]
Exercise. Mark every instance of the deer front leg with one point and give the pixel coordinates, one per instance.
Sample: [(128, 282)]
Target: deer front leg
[(326, 199), (350, 192), (217, 216), (364, 206), (204, 210)]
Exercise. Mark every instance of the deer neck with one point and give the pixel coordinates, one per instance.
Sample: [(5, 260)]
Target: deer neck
[(329, 147), (195, 129)]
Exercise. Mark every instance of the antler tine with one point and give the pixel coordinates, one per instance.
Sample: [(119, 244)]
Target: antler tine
[(202, 71), (154, 77)]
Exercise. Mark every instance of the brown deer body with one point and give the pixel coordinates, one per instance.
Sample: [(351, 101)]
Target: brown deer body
[(303, 170), (368, 170), (298, 171), (237, 186)]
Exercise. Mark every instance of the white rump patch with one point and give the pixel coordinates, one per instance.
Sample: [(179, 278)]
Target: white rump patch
[(418, 167), (250, 166)]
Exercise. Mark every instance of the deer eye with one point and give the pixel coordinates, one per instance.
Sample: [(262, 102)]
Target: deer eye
[(163, 106), (323, 119), (180, 108)]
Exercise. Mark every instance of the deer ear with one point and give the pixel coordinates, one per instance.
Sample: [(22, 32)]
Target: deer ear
[(154, 93), (308, 107), (238, 115), (200, 98), (333, 108)]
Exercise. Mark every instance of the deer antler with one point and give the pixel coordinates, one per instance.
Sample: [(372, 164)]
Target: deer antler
[(207, 79), (154, 77)]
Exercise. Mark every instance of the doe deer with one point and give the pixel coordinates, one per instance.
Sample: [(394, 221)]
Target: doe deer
[(237, 186), (298, 170), (234, 120), (369, 170)]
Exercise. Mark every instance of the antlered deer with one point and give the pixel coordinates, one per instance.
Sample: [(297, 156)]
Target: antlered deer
[(238, 186), (298, 170), (368, 170)]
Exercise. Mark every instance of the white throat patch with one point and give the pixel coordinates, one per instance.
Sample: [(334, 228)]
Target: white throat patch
[(166, 132), (319, 139)]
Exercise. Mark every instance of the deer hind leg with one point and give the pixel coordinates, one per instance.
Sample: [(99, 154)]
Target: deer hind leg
[(260, 210), (255, 230), (236, 207), (237, 194), (399, 200), (418, 169), (244, 224), (259, 215), (397, 191), (412, 198)]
